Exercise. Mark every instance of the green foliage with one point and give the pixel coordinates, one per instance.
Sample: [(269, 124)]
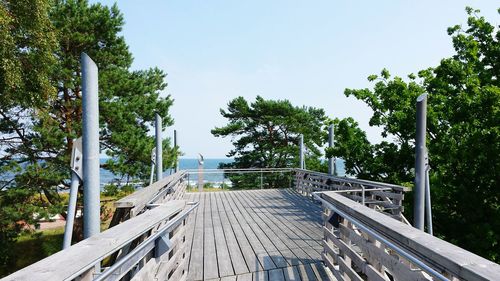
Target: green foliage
[(111, 190), (265, 134), (463, 136), (127, 189), (27, 43), (40, 113)]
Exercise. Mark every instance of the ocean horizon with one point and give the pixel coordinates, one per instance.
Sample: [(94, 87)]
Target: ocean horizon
[(192, 164)]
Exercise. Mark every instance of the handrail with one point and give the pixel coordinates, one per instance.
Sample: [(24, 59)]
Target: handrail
[(348, 222), (386, 198), (358, 181), (81, 258), (238, 171), (137, 202), (380, 238), (138, 251)]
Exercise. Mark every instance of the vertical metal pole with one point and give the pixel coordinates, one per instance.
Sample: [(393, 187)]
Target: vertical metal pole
[(159, 148), (177, 154), (151, 177), (428, 205), (200, 173), (200, 177), (331, 160), (70, 217), (363, 195), (301, 151), (91, 186), (153, 161), (261, 180), (419, 190)]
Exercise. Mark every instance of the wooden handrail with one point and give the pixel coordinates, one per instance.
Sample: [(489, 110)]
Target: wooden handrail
[(137, 201), (79, 260), (375, 258)]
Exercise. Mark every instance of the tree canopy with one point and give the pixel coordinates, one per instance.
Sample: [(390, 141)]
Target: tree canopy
[(40, 114), (265, 133), (463, 136)]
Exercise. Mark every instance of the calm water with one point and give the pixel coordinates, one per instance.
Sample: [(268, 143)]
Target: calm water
[(192, 164), (185, 164)]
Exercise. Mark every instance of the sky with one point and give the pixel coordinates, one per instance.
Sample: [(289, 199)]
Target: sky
[(305, 51)]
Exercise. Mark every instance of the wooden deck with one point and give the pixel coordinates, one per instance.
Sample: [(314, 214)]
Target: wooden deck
[(273, 234)]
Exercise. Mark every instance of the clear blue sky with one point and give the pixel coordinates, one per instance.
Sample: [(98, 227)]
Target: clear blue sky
[(304, 51)]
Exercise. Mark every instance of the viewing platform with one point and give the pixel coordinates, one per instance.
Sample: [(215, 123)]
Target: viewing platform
[(272, 234), (320, 227)]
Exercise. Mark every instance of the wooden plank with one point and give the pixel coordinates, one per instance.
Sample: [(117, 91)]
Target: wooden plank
[(360, 262), (291, 274), (260, 276), (138, 200), (392, 263), (319, 271), (237, 259), (251, 260), (332, 267), (289, 222), (276, 275), (443, 255), (245, 277), (62, 265), (223, 257), (210, 266), (306, 272), (195, 271)]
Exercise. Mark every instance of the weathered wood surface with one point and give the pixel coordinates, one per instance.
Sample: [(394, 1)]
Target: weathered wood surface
[(85, 254), (137, 201), (386, 198), (272, 234), (373, 259)]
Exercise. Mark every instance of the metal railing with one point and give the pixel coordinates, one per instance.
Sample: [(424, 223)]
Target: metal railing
[(363, 244), (149, 246), (385, 198), (172, 187), (250, 178)]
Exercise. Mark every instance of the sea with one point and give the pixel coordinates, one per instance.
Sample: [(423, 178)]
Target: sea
[(214, 177)]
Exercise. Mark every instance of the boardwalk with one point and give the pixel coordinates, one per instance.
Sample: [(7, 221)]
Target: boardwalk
[(260, 235)]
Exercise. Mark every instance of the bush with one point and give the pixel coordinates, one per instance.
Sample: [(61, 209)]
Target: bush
[(111, 190), (128, 189)]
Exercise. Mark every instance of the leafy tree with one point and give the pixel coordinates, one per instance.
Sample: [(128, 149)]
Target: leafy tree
[(27, 44), (463, 136), (41, 112), (265, 134)]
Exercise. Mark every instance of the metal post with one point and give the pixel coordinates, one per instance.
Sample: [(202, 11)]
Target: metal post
[(159, 148), (301, 151), (70, 216), (76, 176), (177, 152), (331, 160), (419, 190), (428, 205), (153, 161), (91, 185), (200, 173), (261, 180), (363, 195)]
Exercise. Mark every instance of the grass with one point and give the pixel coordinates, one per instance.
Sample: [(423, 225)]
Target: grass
[(33, 247)]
